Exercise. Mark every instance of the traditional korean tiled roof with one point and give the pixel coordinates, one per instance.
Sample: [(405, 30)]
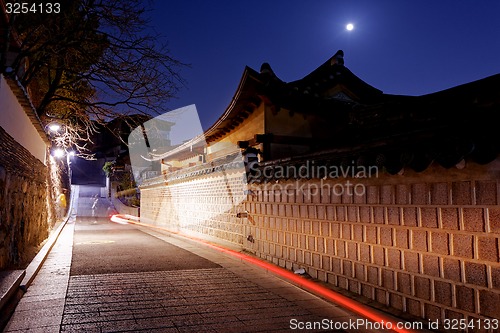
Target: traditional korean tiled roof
[(393, 131), (369, 126), (243, 103)]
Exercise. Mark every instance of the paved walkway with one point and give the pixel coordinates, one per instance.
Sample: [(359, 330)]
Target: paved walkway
[(41, 308), (218, 294)]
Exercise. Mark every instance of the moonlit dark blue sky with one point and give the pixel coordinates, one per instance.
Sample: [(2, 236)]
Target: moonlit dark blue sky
[(399, 47)]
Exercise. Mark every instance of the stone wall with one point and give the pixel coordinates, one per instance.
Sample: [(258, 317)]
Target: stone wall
[(427, 244), (424, 243), (119, 205), (202, 206), (26, 207)]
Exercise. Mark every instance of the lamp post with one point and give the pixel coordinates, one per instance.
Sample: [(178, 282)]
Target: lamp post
[(60, 153), (54, 127), (60, 150), (54, 131)]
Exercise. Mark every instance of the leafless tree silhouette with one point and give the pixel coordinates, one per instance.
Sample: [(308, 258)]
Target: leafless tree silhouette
[(92, 61)]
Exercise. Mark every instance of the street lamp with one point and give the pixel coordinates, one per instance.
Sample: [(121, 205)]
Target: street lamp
[(58, 153), (54, 127), (58, 134)]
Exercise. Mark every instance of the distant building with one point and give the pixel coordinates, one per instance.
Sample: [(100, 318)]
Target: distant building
[(109, 144)]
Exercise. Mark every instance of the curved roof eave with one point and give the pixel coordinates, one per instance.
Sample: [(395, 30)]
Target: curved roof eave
[(485, 88), (248, 74)]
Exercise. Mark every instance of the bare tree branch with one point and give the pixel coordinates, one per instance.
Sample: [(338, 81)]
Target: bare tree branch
[(95, 60)]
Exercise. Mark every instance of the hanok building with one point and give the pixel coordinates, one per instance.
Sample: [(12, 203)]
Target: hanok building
[(422, 233)]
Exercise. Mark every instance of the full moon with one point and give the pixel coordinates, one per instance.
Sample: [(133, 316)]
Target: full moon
[(349, 26)]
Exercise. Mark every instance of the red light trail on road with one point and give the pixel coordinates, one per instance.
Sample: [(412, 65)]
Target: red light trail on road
[(309, 285)]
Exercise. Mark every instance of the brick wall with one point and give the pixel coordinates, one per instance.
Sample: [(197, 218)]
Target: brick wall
[(426, 243), (25, 204), (205, 206)]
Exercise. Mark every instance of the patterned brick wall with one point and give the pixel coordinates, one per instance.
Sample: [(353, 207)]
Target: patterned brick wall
[(204, 206), (427, 243)]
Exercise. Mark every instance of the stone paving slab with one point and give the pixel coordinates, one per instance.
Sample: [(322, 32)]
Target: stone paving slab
[(181, 301), (231, 296), (303, 305), (42, 306)]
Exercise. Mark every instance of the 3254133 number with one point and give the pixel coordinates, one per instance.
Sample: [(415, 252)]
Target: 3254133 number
[(35, 8)]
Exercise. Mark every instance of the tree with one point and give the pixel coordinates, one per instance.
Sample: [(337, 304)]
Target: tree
[(94, 60), (108, 168)]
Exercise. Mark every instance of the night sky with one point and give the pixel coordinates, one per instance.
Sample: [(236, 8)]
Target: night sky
[(399, 47)]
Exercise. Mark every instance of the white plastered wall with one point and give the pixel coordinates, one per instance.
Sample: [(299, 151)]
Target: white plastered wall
[(16, 123)]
